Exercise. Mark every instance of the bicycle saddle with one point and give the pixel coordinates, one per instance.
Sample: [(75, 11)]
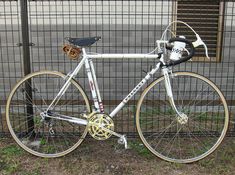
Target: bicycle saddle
[(83, 42)]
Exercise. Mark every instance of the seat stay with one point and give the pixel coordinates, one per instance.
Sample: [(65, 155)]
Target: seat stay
[(67, 84)]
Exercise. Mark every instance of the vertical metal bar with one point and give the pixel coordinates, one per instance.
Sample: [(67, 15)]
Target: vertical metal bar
[(122, 61), (2, 65), (25, 36), (26, 62), (228, 31)]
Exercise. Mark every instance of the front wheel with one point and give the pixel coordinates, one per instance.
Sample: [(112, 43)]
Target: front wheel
[(40, 135), (205, 118)]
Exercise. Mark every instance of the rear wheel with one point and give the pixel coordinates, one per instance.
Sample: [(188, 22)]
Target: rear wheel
[(44, 136), (169, 137)]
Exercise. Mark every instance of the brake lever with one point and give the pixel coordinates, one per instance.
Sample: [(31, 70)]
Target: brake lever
[(199, 42)]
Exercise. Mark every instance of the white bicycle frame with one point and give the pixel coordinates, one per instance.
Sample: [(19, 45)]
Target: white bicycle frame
[(87, 60)]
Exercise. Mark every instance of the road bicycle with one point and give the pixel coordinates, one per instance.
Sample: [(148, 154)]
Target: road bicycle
[(180, 117)]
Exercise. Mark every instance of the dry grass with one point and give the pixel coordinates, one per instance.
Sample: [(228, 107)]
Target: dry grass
[(108, 158)]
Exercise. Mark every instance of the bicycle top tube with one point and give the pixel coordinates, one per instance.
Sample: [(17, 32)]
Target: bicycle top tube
[(118, 56)]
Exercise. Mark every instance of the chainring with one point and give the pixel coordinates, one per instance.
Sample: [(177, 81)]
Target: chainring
[(100, 125)]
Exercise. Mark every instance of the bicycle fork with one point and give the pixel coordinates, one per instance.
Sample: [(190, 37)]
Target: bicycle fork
[(181, 117)]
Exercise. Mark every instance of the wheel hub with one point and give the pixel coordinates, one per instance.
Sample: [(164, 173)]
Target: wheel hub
[(182, 119), (100, 126)]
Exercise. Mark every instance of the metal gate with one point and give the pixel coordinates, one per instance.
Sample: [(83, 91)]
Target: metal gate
[(32, 32)]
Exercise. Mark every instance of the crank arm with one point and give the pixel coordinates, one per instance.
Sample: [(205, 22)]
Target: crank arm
[(123, 137)]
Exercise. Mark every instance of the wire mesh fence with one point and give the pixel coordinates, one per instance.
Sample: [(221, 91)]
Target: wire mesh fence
[(38, 28)]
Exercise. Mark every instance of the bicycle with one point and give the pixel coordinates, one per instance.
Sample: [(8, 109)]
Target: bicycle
[(181, 116)]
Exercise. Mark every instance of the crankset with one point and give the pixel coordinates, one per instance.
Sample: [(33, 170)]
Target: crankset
[(100, 126)]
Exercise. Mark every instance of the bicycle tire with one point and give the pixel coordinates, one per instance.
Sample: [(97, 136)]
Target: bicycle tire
[(171, 139)]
